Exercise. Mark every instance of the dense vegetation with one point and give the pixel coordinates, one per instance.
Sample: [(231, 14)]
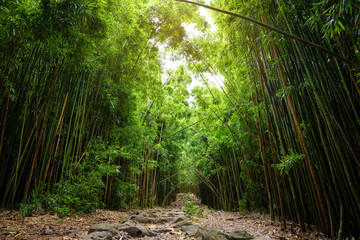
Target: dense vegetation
[(90, 117)]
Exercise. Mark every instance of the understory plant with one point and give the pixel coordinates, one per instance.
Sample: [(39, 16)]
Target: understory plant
[(81, 194), (192, 209)]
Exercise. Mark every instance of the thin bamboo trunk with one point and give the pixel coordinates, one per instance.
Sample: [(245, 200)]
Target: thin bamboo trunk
[(271, 137)]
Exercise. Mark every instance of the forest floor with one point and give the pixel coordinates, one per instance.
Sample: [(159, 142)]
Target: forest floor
[(169, 222)]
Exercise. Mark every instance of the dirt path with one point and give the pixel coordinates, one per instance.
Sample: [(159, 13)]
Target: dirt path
[(170, 222)]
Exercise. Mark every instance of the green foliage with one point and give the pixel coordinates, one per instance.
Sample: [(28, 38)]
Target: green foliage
[(275, 207), (122, 194), (289, 162), (338, 17), (192, 209), (281, 93), (106, 155), (81, 195), (33, 204), (243, 204)]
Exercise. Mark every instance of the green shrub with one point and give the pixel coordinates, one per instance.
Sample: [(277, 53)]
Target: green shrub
[(243, 209), (81, 195), (33, 203), (192, 209)]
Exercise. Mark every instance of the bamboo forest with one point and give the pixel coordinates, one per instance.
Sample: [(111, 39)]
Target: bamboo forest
[(247, 110)]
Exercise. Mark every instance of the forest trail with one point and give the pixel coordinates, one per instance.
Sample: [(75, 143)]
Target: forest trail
[(186, 218)]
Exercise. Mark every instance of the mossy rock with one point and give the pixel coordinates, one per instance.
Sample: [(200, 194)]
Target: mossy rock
[(240, 235)]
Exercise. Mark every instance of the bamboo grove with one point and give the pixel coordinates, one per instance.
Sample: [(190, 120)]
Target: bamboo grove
[(77, 126), (290, 112), (90, 117)]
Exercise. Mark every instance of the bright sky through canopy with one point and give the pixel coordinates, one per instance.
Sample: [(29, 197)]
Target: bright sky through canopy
[(192, 32)]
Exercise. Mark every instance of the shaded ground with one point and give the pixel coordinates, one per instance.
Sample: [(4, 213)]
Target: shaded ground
[(156, 223)]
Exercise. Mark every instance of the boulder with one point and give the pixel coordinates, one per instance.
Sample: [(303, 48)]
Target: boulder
[(191, 229), (240, 235), (47, 231), (135, 231), (214, 235), (180, 223), (102, 227), (201, 232), (103, 235), (179, 219)]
